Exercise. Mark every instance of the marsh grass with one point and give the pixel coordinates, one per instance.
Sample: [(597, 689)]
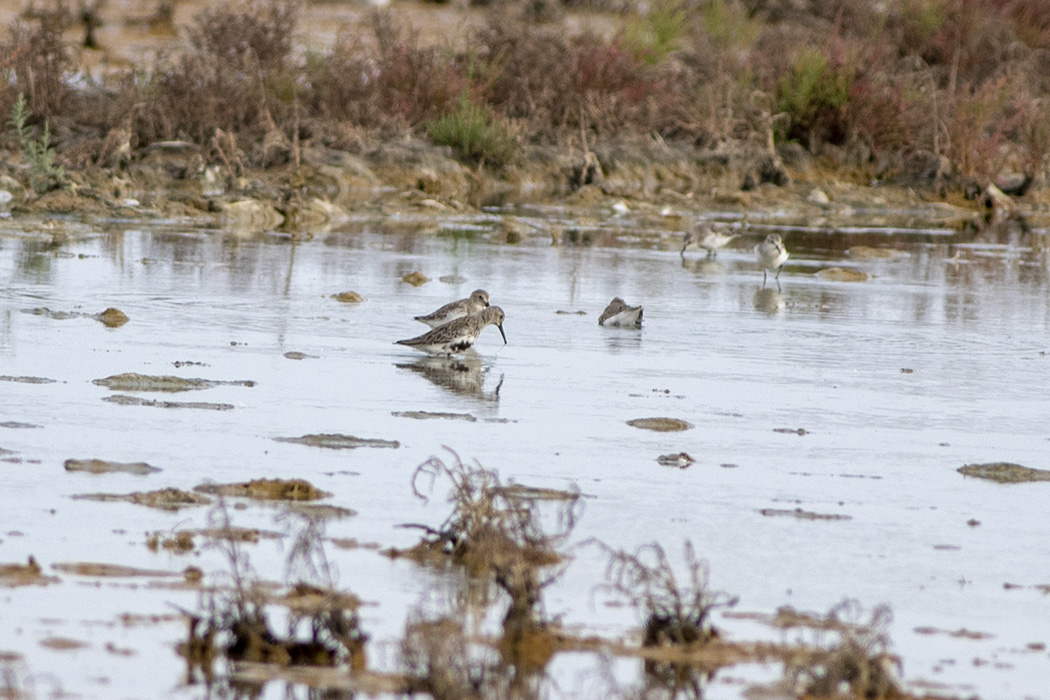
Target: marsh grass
[(475, 133)]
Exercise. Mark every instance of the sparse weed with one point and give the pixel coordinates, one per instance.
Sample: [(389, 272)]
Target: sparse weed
[(857, 661), (676, 612)]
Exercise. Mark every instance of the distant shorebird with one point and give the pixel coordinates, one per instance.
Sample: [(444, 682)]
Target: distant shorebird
[(710, 239), (478, 300), (618, 313), (459, 334), (771, 255)]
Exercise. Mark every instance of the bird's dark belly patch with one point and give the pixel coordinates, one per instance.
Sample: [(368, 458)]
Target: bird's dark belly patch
[(460, 346)]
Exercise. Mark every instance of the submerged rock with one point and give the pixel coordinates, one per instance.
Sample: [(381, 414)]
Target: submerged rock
[(112, 318), (842, 274), (348, 297), (415, 279), (1004, 472), (335, 441)]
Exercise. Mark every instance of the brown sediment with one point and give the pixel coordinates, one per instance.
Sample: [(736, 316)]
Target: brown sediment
[(125, 400), (165, 499), (348, 297), (800, 514), (1004, 472), (112, 318), (661, 425), (102, 466), (109, 570), (28, 574), (425, 415), (132, 381), (26, 380), (335, 441)]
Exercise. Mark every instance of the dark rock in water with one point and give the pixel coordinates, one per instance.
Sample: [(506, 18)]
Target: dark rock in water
[(1004, 472)]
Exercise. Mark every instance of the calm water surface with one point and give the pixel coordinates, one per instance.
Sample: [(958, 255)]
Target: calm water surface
[(937, 361)]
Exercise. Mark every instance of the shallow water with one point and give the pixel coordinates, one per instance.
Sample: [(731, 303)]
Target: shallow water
[(937, 361)]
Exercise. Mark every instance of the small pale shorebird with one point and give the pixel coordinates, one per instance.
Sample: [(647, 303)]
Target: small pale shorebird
[(478, 300), (618, 313), (771, 255), (458, 334), (708, 238)]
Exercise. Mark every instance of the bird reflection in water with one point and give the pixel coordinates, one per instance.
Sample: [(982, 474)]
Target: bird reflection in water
[(463, 375), (768, 301)]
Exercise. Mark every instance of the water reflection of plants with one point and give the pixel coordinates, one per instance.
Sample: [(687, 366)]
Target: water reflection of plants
[(509, 539)]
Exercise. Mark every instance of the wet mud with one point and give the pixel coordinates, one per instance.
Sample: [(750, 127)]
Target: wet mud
[(267, 490), (336, 441), (102, 466), (131, 381), (125, 400), (1004, 472)]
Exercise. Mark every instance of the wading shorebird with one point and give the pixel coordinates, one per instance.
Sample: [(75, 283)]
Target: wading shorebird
[(458, 335), (478, 300), (618, 313), (710, 239), (771, 255)]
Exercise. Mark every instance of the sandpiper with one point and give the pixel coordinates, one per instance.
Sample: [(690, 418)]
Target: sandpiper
[(478, 300), (771, 255), (458, 334), (618, 313), (710, 239)]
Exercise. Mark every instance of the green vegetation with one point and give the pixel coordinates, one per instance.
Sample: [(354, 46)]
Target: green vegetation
[(475, 132), (44, 174)]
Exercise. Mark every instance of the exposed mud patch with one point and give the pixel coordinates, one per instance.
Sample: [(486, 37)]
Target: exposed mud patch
[(348, 297), (661, 425), (335, 441), (26, 380), (125, 400), (961, 633), (28, 574), (63, 644), (843, 274), (425, 415), (131, 381), (102, 466), (803, 514), (267, 490), (416, 279), (83, 568), (165, 499), (296, 355), (16, 425), (1004, 472)]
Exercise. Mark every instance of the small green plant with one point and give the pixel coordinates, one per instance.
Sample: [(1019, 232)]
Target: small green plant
[(814, 95), (729, 24), (475, 132), (44, 174), (652, 37)]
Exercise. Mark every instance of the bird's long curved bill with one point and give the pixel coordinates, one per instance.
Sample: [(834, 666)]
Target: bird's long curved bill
[(500, 326)]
